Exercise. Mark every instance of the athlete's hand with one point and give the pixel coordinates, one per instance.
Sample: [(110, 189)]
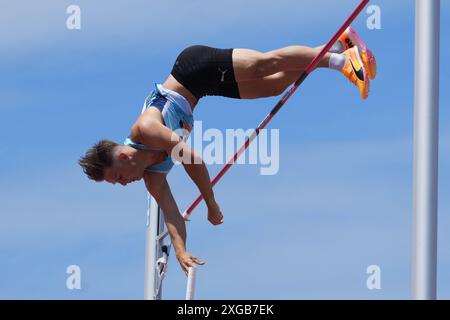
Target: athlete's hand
[(215, 216), (187, 260)]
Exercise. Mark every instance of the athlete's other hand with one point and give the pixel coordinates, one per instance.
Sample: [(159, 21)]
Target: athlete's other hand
[(187, 260), (215, 216)]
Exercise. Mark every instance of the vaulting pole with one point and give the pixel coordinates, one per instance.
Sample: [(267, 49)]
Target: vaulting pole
[(190, 288)]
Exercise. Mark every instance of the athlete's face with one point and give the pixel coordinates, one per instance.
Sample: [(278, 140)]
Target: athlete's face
[(124, 170)]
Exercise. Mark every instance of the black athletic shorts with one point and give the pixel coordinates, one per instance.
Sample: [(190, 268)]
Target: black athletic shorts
[(206, 71)]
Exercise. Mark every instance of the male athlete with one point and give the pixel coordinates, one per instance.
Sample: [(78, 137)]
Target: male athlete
[(200, 71)]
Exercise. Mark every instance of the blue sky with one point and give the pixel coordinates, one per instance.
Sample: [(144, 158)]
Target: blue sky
[(342, 200)]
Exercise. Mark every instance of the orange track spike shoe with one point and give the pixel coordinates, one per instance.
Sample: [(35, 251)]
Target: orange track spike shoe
[(354, 71)]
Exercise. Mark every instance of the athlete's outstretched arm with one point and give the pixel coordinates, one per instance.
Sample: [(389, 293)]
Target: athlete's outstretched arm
[(159, 188)]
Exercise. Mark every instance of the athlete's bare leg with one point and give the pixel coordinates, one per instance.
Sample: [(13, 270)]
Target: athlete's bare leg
[(251, 64), (272, 85)]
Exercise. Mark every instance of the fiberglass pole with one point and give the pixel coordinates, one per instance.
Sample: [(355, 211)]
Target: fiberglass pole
[(426, 141)]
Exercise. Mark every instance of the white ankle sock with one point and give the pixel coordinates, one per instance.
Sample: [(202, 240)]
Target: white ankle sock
[(337, 61)]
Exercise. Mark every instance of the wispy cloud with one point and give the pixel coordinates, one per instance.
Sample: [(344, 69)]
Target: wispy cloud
[(27, 27)]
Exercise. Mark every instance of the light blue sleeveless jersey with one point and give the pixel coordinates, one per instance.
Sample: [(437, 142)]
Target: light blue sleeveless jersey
[(177, 116)]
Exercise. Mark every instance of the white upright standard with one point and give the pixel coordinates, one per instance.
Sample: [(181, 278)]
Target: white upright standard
[(154, 255), (157, 255), (426, 141)]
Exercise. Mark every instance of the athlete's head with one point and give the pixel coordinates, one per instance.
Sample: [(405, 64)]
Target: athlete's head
[(111, 162)]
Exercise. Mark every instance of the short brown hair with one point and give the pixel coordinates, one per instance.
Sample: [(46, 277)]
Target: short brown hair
[(97, 159)]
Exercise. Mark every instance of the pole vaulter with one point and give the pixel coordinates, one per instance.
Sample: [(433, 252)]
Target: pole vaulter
[(148, 151)]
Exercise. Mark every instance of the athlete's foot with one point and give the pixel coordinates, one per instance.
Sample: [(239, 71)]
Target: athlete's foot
[(348, 40), (354, 70)]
